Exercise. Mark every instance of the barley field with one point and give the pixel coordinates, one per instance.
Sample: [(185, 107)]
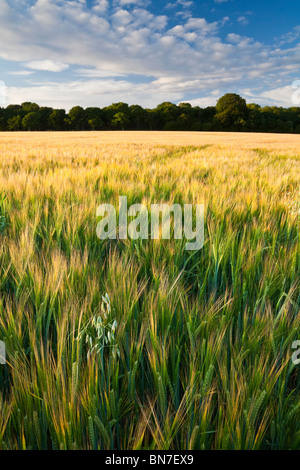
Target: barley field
[(140, 344)]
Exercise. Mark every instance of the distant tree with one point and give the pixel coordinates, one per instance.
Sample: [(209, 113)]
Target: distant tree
[(138, 117), (14, 123), (183, 122), (269, 120), (208, 126), (167, 114), (286, 126), (110, 111), (253, 120), (152, 119), (207, 114), (187, 116), (119, 121), (76, 118), (185, 106), (94, 118), (31, 122), (13, 111), (94, 123), (3, 122), (43, 115), (203, 118), (56, 120), (231, 112), (29, 107)]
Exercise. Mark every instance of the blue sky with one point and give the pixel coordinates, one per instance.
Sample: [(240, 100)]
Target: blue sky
[(95, 52)]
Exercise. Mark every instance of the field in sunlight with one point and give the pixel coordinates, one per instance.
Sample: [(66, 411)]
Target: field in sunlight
[(189, 350)]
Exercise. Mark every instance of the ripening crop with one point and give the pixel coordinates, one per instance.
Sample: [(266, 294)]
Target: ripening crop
[(140, 344)]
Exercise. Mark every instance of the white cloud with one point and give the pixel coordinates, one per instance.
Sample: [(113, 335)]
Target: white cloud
[(292, 36), (122, 3), (94, 73), (234, 38), (204, 102), (47, 65), (242, 20), (115, 39), (182, 3), (281, 96), (122, 18), (100, 6), (21, 72), (93, 93)]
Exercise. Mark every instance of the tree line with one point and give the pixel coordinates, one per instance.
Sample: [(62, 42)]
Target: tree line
[(231, 113)]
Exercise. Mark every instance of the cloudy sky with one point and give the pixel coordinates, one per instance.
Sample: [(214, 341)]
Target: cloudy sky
[(95, 52)]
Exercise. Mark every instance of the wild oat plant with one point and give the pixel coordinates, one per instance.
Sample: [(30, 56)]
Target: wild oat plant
[(99, 331), (189, 350)]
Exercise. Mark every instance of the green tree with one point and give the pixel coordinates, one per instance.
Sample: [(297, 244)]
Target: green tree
[(76, 118), (31, 122), (110, 111), (138, 117), (231, 112), (56, 119), (14, 123), (12, 111), (94, 119), (167, 114), (3, 123), (43, 115), (183, 122), (254, 117), (29, 107), (119, 121)]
